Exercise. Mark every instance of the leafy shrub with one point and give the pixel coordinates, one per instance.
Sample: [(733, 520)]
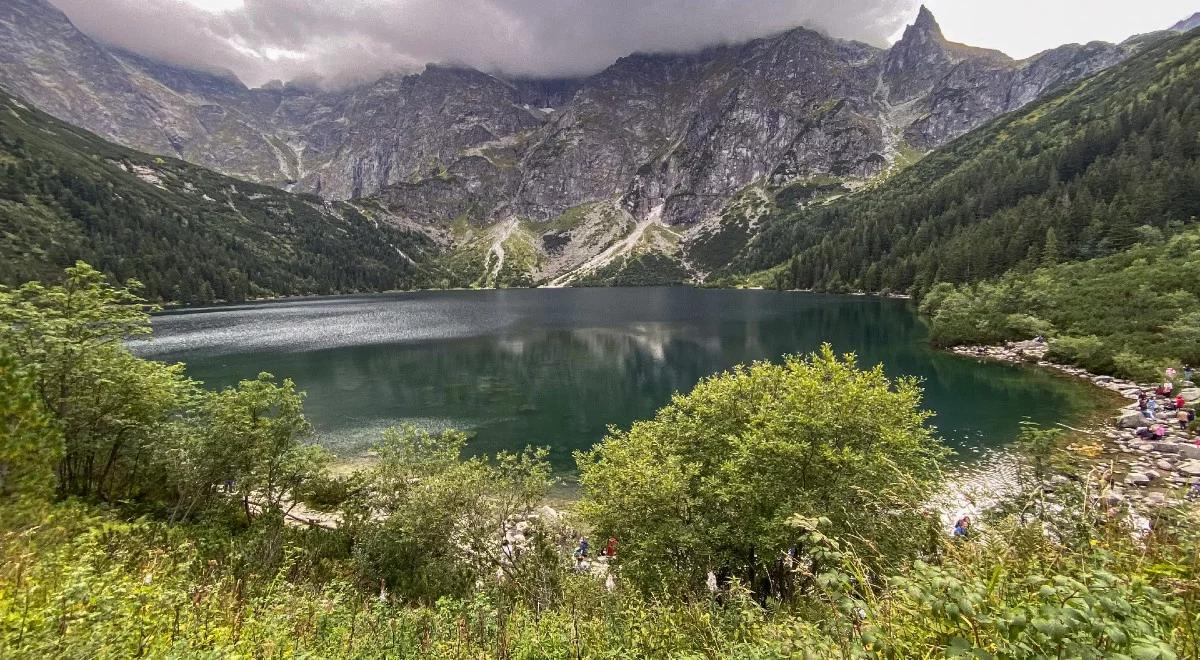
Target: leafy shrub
[(711, 482)]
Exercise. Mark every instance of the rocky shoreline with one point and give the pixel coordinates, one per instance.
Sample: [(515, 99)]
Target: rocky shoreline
[(1140, 473)]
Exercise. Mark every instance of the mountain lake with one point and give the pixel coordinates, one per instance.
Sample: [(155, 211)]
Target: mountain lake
[(557, 367)]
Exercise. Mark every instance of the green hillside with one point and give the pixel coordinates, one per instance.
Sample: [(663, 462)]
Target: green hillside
[(187, 233), (1078, 175), (1130, 314)]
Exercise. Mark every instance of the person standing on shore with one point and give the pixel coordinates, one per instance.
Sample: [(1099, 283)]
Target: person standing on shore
[(610, 549)]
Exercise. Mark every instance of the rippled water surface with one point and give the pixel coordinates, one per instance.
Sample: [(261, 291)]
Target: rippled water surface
[(557, 367)]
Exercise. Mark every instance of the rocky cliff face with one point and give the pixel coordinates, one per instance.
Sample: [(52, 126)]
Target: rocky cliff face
[(1188, 24), (662, 140)]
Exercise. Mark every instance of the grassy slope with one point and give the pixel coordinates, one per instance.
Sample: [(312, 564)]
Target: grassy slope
[(188, 233)]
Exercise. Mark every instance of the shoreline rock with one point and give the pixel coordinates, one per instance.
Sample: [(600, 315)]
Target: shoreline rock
[(1144, 472)]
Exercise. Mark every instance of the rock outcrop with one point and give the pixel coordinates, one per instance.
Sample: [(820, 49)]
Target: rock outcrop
[(1188, 24)]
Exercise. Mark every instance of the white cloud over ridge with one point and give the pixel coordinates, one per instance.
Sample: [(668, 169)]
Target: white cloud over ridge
[(353, 40)]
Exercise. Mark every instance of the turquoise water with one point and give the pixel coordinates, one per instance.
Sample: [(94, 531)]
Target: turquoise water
[(556, 367)]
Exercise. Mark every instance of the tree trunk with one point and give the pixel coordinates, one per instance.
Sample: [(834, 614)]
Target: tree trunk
[(108, 466)]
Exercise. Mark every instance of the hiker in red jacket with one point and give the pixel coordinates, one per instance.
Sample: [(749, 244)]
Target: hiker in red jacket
[(610, 549)]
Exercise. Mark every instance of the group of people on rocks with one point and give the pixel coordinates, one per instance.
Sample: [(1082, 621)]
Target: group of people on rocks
[(1148, 405), (509, 552), (581, 551), (1184, 416)]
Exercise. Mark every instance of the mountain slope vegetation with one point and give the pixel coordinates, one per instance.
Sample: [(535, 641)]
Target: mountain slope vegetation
[(1131, 314), (188, 234), (1085, 173)]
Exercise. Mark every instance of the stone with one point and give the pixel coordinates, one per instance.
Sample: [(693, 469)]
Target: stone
[(1191, 394), (1130, 420), (1190, 468), (1114, 497), (1157, 499), (1029, 346), (1138, 479), (1163, 464)]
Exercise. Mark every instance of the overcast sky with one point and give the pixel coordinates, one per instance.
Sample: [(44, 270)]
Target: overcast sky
[(348, 40)]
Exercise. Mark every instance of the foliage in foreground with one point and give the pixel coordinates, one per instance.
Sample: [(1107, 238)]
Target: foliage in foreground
[(83, 583), (131, 429), (1129, 314), (169, 538)]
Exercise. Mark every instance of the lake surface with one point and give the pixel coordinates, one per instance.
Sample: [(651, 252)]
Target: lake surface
[(556, 367)]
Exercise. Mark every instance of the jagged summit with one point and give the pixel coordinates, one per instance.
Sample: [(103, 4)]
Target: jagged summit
[(923, 56), (926, 23), (918, 59)]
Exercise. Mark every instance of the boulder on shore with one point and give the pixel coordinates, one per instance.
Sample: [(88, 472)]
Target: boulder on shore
[(1191, 394), (1130, 420), (1137, 479), (1167, 447), (1191, 468)]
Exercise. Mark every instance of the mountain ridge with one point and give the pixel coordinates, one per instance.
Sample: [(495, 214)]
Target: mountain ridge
[(1082, 173), (1190, 23), (668, 139)]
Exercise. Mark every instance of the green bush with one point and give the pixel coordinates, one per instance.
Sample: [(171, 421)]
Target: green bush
[(713, 480)]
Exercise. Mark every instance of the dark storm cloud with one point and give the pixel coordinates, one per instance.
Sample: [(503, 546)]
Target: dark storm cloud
[(343, 40)]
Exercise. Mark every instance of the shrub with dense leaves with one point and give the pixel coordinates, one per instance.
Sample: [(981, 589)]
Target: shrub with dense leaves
[(712, 481)]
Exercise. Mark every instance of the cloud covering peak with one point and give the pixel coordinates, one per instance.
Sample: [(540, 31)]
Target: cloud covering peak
[(352, 40)]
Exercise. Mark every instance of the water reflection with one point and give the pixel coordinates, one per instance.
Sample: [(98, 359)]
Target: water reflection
[(558, 367)]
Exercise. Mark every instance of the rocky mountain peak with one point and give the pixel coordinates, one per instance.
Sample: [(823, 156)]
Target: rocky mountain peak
[(918, 59), (925, 25), (1190, 23), (923, 56)]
